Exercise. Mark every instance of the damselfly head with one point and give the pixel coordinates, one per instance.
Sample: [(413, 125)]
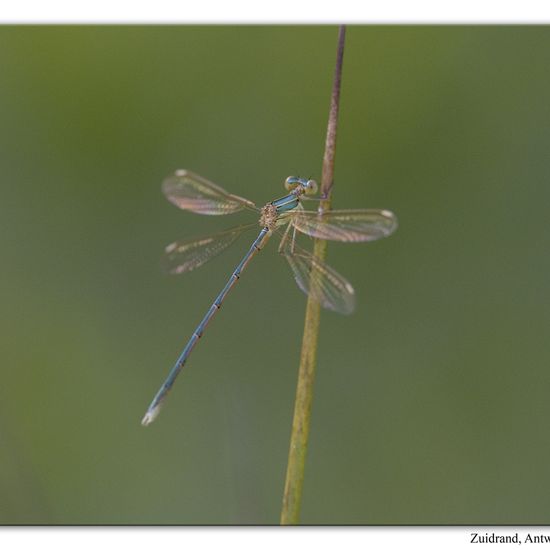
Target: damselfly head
[(309, 187)]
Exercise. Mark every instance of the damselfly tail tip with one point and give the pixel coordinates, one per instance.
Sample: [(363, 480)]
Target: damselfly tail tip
[(150, 415)]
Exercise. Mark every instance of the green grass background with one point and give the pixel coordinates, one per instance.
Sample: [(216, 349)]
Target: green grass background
[(431, 401)]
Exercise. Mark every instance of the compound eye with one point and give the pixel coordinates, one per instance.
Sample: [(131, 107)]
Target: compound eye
[(311, 187), (291, 183)]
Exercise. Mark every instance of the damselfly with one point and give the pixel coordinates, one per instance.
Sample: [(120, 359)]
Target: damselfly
[(191, 192)]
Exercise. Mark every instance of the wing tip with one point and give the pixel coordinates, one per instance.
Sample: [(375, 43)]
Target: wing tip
[(182, 172), (392, 218), (170, 180)]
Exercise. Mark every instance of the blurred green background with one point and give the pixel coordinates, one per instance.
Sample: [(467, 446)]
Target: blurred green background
[(431, 400)]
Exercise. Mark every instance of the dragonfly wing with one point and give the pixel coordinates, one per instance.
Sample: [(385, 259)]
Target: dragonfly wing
[(186, 255), (317, 279), (189, 191), (350, 226)]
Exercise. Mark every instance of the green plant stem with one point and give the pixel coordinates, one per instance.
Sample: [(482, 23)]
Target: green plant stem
[(290, 514)]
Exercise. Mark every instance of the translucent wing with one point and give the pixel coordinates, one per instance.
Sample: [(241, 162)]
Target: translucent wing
[(186, 255), (189, 191), (346, 225), (319, 280)]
